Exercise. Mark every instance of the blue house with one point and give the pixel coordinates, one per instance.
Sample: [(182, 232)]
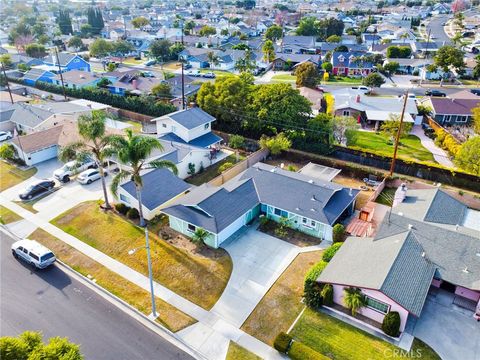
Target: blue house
[(312, 206), (68, 62), (34, 75)]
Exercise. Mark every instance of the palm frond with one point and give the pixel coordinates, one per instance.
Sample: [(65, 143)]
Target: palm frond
[(121, 176), (69, 152), (162, 164)]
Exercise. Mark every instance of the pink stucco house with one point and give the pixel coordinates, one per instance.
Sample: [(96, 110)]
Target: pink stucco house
[(428, 242)]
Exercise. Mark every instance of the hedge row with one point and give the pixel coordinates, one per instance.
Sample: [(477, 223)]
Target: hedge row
[(295, 350), (146, 105), (447, 142)]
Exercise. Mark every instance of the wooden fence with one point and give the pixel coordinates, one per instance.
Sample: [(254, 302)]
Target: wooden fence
[(377, 191)]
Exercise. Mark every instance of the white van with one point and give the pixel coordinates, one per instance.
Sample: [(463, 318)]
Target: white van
[(362, 89), (33, 253)]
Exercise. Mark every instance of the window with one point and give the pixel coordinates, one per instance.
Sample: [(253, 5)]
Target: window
[(33, 256), (346, 112), (462, 119), (191, 228), (164, 125), (377, 305), (124, 199), (281, 213), (446, 118), (309, 223), (207, 125)]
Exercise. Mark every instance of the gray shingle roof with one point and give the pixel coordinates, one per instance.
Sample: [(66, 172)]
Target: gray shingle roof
[(159, 186), (445, 209), (190, 118)]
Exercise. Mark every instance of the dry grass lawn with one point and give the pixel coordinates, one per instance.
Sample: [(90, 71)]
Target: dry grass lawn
[(281, 304), (198, 278), (354, 184), (236, 352), (11, 175), (170, 317), (7, 216)]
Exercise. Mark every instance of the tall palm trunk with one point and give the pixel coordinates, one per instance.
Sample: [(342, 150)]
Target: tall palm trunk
[(104, 187), (138, 188)]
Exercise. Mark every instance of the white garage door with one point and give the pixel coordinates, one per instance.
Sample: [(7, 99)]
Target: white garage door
[(42, 155)]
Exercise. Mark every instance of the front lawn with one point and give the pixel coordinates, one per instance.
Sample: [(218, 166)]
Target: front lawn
[(281, 304), (7, 216), (410, 147), (200, 279), (339, 340), (169, 316), (236, 352), (344, 80), (213, 171), (284, 78), (11, 175)]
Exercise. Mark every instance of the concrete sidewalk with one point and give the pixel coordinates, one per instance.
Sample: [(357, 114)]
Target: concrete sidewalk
[(439, 155)]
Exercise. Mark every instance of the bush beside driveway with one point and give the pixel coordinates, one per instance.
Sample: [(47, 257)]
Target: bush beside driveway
[(197, 278)]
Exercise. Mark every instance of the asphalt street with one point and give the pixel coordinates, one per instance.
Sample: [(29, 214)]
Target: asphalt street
[(52, 302), (436, 25)]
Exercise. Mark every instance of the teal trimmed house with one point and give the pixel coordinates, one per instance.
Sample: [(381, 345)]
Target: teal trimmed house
[(310, 205)]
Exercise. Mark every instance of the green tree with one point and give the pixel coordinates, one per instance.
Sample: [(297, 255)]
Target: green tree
[(327, 66), (162, 91), (307, 26), (458, 20), (342, 127), (134, 151), (275, 144), (86, 30), (391, 67), (241, 46), (476, 119), (95, 19), (6, 60), (95, 143), (207, 31), (268, 51), (476, 69), (160, 50), (391, 126), (64, 22), (325, 28), (199, 236), (468, 158), (245, 63), (36, 50), (43, 39), (122, 48), (373, 80), (213, 59), (353, 299), (7, 152), (338, 234), (140, 22), (391, 323), (236, 141), (307, 75), (103, 82), (334, 39), (76, 43), (100, 48), (448, 57), (274, 33)]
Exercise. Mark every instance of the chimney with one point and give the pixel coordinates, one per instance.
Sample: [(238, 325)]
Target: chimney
[(410, 226), (135, 84), (357, 99)]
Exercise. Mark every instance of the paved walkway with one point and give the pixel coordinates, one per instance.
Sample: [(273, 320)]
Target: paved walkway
[(439, 155)]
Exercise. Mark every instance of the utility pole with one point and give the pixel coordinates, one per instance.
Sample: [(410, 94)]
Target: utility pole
[(183, 80), (397, 139), (428, 42), (8, 85), (61, 75)]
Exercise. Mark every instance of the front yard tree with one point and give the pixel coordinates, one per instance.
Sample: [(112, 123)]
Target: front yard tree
[(162, 91), (140, 22), (449, 57), (6, 60), (342, 125), (274, 33), (100, 48), (373, 80), (213, 59), (207, 31), (160, 49), (36, 50), (476, 68), (468, 158), (245, 63), (353, 299), (133, 152), (268, 51), (327, 66), (307, 26), (334, 39), (95, 143), (476, 119), (307, 75), (275, 144), (122, 48), (392, 125), (76, 43), (199, 236)]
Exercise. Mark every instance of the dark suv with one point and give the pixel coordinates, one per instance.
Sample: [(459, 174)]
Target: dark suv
[(435, 93), (475, 91), (37, 188)]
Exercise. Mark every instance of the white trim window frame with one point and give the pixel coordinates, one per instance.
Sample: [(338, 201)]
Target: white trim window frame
[(189, 226), (447, 118), (378, 303)]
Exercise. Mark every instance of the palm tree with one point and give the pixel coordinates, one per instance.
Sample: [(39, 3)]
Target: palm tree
[(213, 59), (199, 236), (96, 144), (133, 152), (353, 299)]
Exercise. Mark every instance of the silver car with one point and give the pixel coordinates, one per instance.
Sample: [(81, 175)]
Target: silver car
[(89, 176)]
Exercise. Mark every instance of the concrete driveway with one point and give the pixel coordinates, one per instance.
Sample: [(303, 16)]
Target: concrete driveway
[(439, 155), (451, 331)]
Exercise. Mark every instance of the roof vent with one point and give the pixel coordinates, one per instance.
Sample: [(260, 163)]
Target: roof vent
[(273, 169), (465, 270), (298, 209), (400, 213), (312, 209), (310, 181), (410, 226), (457, 227), (439, 184), (350, 192), (423, 254), (282, 165), (313, 198)]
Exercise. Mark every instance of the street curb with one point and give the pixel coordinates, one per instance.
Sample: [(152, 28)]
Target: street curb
[(125, 307)]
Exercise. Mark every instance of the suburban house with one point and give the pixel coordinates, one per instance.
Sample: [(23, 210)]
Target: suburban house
[(350, 64), (77, 79), (192, 126), (449, 111), (296, 44), (429, 244), (308, 204), (33, 75), (425, 47), (370, 39), (370, 110), (289, 61), (67, 61), (410, 66), (160, 188), (18, 59)]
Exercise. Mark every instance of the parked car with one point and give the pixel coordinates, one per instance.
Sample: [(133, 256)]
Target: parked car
[(209, 75), (410, 96), (194, 73), (187, 66), (36, 188), (428, 131), (468, 34), (435, 93), (89, 176), (473, 48), (33, 253), (475, 91), (72, 168), (363, 89), (148, 74), (149, 63), (5, 135)]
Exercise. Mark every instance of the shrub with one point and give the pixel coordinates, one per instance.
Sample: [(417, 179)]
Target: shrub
[(391, 324), (338, 233), (236, 141), (300, 351), (292, 168), (7, 152), (122, 208), (282, 342), (225, 166), (330, 251), (133, 214), (327, 294), (263, 220), (311, 289)]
